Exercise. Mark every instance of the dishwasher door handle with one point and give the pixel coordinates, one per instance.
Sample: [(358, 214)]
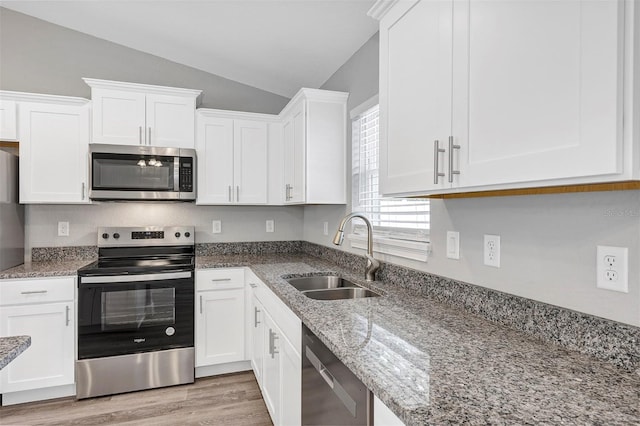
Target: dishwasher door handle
[(340, 392)]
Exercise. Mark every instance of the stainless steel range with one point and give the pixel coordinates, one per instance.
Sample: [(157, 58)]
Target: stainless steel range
[(136, 311)]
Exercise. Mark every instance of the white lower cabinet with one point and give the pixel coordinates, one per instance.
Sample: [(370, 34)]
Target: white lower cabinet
[(220, 316), (44, 310), (276, 336)]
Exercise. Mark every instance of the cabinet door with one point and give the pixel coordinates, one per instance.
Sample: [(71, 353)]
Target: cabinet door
[(53, 153), (291, 384), (170, 121), (220, 327), (118, 117), (250, 161), (537, 89), (415, 95), (8, 121), (294, 133), (257, 337), (49, 361), (271, 369), (215, 160)]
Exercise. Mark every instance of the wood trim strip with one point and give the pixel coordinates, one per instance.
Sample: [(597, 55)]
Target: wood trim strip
[(564, 189)]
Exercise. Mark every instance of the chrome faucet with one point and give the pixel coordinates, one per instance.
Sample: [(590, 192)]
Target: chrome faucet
[(372, 264)]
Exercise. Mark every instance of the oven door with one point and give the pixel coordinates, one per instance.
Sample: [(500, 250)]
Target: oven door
[(134, 313)]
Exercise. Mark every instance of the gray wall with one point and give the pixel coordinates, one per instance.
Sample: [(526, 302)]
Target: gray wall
[(40, 57), (548, 242), (239, 223)]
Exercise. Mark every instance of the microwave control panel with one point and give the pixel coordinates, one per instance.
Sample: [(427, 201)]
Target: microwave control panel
[(186, 174)]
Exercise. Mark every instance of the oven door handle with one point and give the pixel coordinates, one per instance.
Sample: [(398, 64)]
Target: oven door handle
[(134, 278)]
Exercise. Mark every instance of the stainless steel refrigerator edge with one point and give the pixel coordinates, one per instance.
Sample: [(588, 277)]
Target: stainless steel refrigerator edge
[(11, 214)]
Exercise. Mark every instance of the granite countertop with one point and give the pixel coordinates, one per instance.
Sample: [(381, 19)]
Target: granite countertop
[(431, 363), (53, 268), (435, 364), (11, 347)]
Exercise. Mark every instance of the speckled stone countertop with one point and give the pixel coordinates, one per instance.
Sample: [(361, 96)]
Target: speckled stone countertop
[(53, 268), (11, 347), (433, 364)]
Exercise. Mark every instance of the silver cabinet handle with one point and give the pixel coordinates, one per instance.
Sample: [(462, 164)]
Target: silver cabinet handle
[(200, 304), (229, 193), (34, 292), (149, 141), (275, 351), (83, 189), (217, 280), (452, 172), (287, 194), (436, 153), (237, 194), (272, 343), (253, 285), (67, 316), (255, 317), (140, 134)]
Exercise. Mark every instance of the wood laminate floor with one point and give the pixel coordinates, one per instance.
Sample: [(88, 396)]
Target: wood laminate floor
[(232, 399)]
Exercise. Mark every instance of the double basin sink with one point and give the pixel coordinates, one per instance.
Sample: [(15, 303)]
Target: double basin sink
[(330, 287)]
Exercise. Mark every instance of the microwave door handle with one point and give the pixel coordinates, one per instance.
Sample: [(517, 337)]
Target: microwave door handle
[(134, 278), (176, 174)]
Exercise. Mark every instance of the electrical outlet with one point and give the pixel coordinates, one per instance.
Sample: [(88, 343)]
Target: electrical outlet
[(216, 226), (612, 268), (270, 225), (492, 250), (453, 245), (325, 228), (63, 229)]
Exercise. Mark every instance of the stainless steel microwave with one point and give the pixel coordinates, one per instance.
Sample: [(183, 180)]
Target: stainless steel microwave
[(144, 173)]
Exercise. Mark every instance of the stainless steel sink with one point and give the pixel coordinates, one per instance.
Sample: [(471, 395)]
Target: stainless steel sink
[(330, 287), (321, 282), (340, 293)]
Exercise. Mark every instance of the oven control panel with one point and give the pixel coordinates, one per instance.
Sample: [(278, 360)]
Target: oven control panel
[(146, 236)]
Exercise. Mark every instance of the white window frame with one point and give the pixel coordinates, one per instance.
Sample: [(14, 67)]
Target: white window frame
[(387, 241)]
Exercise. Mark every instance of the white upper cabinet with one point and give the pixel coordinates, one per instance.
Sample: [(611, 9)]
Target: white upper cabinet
[(415, 95), (233, 156), (54, 145), (8, 121), (142, 114), (314, 144), (498, 94)]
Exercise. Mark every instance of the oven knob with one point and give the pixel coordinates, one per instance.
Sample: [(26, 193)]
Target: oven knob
[(116, 235), (105, 236), (170, 331), (187, 234), (177, 235)]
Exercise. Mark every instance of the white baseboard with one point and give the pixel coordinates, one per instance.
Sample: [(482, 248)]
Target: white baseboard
[(38, 394), (231, 367)]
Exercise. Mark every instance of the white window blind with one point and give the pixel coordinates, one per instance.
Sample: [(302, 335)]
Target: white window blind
[(403, 218)]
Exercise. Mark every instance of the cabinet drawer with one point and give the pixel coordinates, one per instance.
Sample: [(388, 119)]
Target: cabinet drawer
[(219, 279), (41, 290)]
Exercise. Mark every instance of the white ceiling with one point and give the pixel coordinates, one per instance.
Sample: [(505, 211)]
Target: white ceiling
[(275, 45)]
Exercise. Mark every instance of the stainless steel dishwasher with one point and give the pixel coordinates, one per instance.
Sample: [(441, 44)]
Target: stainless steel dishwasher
[(331, 393)]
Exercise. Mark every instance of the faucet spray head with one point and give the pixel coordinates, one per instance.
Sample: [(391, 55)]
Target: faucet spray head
[(338, 238)]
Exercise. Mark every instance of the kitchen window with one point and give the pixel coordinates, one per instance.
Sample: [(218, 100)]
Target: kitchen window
[(401, 225)]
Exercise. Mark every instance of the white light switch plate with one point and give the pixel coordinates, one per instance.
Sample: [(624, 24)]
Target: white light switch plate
[(453, 245), (216, 226)]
